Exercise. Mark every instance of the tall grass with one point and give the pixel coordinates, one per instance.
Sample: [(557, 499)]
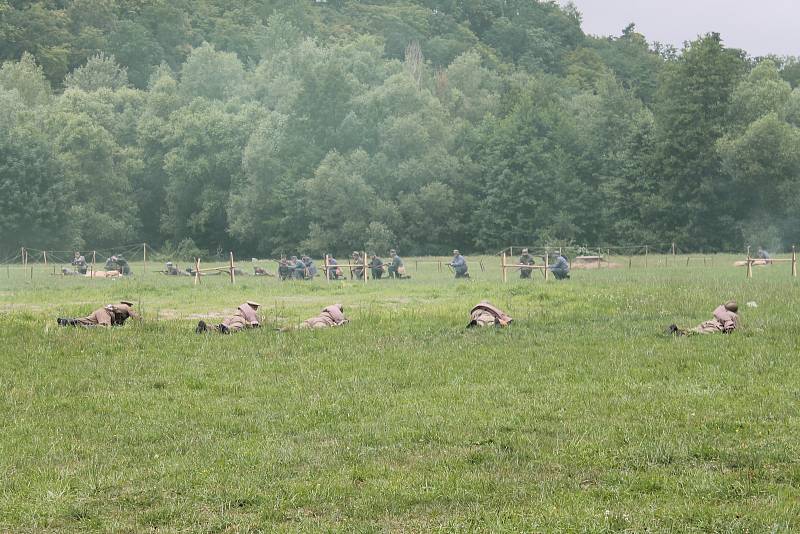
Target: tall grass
[(580, 416)]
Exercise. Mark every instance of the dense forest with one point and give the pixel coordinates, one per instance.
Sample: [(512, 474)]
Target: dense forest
[(283, 125)]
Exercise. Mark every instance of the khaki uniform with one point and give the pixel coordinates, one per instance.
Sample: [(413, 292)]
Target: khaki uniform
[(330, 316), (108, 315), (245, 317), (485, 314), (724, 321)]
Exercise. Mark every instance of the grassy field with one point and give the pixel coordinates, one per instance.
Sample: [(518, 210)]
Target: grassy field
[(582, 416)]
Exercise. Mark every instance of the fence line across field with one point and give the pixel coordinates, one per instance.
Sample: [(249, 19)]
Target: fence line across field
[(26, 258)]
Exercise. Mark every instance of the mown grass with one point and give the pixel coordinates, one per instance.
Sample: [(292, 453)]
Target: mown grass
[(582, 416)]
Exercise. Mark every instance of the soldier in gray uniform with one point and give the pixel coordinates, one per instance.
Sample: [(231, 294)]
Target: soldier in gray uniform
[(80, 262), (525, 259), (459, 265), (358, 271), (376, 267), (396, 268), (298, 268), (311, 269), (560, 268)]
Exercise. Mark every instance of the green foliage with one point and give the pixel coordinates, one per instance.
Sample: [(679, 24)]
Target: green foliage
[(99, 72), (266, 126)]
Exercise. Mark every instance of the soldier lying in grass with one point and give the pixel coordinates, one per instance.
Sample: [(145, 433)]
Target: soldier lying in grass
[(246, 316), (485, 314), (108, 315), (725, 321), (329, 317)]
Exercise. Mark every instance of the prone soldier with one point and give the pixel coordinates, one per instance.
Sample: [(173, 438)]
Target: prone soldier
[(108, 315)]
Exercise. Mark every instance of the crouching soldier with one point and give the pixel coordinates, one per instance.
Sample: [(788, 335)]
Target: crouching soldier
[(108, 315), (376, 267), (485, 314), (333, 269), (330, 316), (560, 268), (359, 263), (80, 262), (246, 316), (725, 321)]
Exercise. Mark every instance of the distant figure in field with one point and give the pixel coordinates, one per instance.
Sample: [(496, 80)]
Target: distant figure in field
[(118, 263), (357, 272), (108, 315), (725, 321), (298, 268), (560, 268), (70, 272), (525, 259), (246, 316), (260, 271), (764, 255), (311, 269), (334, 271), (376, 266), (80, 262), (329, 317), (459, 265), (485, 314), (170, 269), (396, 268), (284, 271)]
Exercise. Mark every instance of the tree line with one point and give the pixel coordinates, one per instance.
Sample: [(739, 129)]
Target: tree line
[(425, 125)]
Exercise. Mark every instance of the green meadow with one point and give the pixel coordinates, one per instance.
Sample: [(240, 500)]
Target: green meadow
[(581, 416)]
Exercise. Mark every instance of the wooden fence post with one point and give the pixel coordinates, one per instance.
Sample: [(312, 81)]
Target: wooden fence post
[(749, 266), (144, 255), (365, 266), (503, 266), (546, 264), (325, 266), (44, 253), (645, 255), (233, 275), (794, 262), (94, 256), (196, 271)]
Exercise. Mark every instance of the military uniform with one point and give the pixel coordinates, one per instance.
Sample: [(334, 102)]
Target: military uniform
[(246, 316), (108, 315), (284, 272), (725, 320), (396, 268), (329, 317), (298, 268), (334, 272), (485, 314), (526, 259), (459, 265), (560, 268), (358, 271), (311, 269), (376, 266), (80, 262)]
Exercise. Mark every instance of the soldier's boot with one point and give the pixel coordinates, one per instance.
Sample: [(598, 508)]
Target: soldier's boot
[(223, 329), (62, 321), (201, 327), (673, 330)]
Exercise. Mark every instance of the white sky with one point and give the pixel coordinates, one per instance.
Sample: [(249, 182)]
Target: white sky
[(758, 26)]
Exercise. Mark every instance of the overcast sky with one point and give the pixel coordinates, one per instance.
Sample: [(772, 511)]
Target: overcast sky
[(758, 26)]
